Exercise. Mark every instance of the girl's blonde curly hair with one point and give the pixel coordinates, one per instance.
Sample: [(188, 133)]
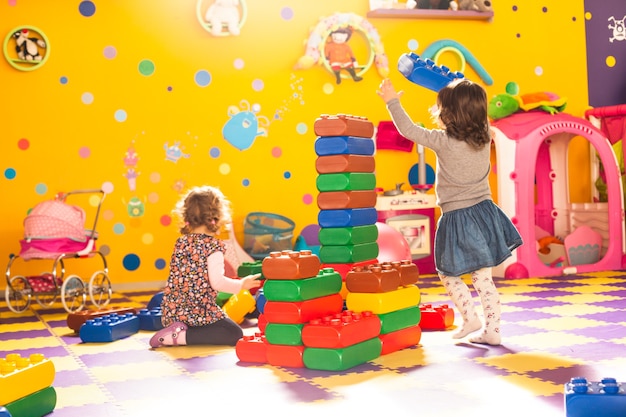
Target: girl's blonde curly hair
[(203, 206)]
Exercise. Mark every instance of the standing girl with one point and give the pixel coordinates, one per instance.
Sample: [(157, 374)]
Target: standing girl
[(473, 233), (191, 315)]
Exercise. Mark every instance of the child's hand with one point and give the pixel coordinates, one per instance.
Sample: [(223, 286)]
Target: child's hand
[(387, 92), (250, 281)]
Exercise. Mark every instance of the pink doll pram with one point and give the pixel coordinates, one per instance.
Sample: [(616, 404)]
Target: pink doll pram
[(54, 231)]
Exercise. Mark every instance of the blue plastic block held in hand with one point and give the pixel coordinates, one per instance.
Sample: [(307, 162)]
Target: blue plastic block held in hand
[(425, 73), (109, 328), (606, 398)]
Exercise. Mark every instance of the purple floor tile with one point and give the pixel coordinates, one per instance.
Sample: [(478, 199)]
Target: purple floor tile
[(71, 378), (525, 315), (541, 303), (18, 320), (117, 358), (607, 316), (48, 352), (24, 334), (546, 294), (602, 332), (213, 362), (596, 351)]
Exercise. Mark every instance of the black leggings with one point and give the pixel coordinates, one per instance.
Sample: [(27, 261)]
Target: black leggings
[(222, 332)]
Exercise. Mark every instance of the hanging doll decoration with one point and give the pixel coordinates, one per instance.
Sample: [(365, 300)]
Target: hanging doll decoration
[(340, 55)]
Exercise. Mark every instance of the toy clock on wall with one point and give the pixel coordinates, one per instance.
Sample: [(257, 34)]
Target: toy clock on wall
[(222, 17), (26, 48)]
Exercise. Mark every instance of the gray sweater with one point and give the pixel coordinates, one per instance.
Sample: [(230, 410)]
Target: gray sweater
[(462, 173)]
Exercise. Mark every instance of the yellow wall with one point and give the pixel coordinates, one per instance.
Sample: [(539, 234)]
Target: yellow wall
[(61, 127)]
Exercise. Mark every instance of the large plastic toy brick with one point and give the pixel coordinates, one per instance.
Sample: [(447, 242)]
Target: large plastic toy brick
[(385, 302), (22, 376), (436, 318), (343, 125), (150, 319), (400, 339), (349, 253), (347, 217), (409, 272), (425, 73), (326, 282), (346, 181), (156, 300), (109, 328), (340, 330), (260, 300), (252, 348), (251, 268), (291, 265), (239, 305), (40, 403), (302, 311), (284, 334), (606, 398), (77, 319), (336, 145), (338, 236), (346, 199), (344, 163), (4, 412), (343, 358), (285, 355), (373, 278), (399, 319)]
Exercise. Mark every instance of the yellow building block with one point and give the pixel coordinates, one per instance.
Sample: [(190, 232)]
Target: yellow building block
[(20, 376), (384, 302)]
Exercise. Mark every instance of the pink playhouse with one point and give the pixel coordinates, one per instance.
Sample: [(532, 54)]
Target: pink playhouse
[(560, 237)]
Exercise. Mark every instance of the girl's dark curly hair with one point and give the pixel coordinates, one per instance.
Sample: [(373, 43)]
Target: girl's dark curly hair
[(203, 206), (462, 109)]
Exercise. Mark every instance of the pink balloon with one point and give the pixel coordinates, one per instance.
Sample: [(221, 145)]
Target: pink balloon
[(392, 246)]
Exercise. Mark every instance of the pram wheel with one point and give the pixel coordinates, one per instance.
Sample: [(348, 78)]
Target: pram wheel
[(73, 294), (17, 294), (100, 289), (46, 299)]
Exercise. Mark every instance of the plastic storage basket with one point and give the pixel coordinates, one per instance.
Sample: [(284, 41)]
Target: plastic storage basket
[(267, 232)]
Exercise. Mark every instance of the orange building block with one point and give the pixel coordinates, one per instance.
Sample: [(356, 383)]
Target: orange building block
[(21, 376), (373, 278), (331, 200), (291, 265), (302, 311), (436, 318), (400, 339), (409, 272), (348, 162), (340, 330), (343, 125)]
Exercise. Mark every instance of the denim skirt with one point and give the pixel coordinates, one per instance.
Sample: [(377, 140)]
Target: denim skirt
[(472, 238)]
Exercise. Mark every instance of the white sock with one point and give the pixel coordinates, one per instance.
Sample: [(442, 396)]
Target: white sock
[(490, 301), (460, 294)]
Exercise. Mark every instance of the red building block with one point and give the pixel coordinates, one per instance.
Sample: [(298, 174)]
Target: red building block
[(340, 330), (400, 339), (436, 318), (343, 125), (262, 322), (291, 265), (344, 163), (252, 348), (284, 355), (77, 319), (330, 200), (302, 311), (373, 278)]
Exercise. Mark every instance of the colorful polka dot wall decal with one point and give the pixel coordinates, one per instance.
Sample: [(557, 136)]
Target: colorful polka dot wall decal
[(110, 52), (10, 173), (23, 144), (87, 8), (202, 78), (131, 262), (160, 264), (146, 67)]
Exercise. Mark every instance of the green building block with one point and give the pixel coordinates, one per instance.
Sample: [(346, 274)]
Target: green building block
[(344, 358), (331, 254), (346, 181), (399, 319), (326, 282), (339, 236), (284, 334), (39, 403), (250, 268)]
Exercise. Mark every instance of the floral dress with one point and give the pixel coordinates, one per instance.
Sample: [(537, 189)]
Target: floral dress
[(188, 296)]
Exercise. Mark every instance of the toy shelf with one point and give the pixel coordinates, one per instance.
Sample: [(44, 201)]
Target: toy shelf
[(429, 14)]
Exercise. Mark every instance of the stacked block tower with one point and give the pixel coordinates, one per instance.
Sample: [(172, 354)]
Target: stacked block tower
[(26, 386), (347, 191)]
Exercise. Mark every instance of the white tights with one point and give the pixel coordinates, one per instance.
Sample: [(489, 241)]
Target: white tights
[(460, 294)]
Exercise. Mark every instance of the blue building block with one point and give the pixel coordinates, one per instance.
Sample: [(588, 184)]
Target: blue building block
[(347, 217), (4, 412), (150, 319), (109, 328), (425, 73), (155, 301), (606, 398), (260, 300), (341, 145)]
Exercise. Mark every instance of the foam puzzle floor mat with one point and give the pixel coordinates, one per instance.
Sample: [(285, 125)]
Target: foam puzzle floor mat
[(553, 329)]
